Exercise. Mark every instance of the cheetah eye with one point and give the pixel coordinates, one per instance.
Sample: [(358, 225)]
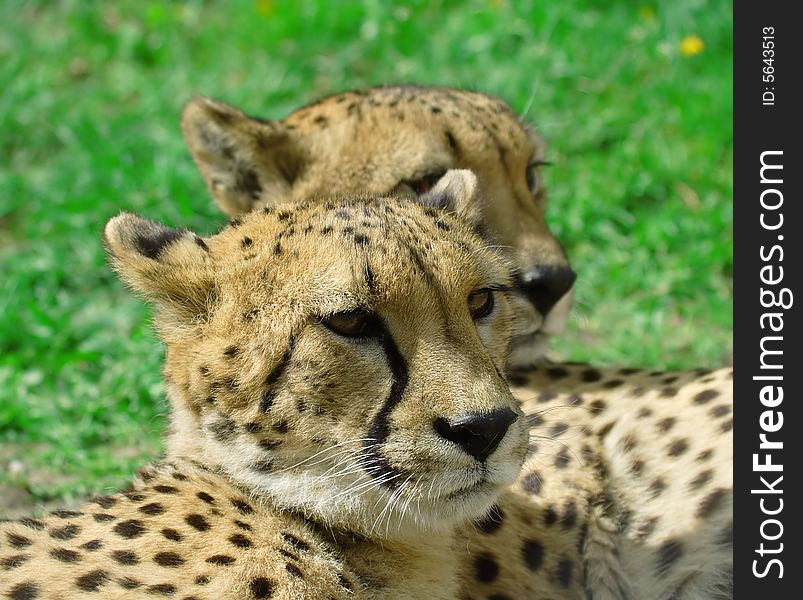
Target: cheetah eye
[(532, 178), (532, 175), (480, 303), (352, 323), (423, 184)]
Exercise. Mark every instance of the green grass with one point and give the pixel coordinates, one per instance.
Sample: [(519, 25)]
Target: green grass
[(640, 192)]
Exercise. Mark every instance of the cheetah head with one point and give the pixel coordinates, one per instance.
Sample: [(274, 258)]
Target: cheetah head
[(400, 140), (341, 358)]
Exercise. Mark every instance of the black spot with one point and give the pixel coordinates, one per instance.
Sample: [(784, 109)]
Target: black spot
[(163, 589), (701, 479), (705, 455), (267, 401), (32, 524), (666, 424), (253, 427), (168, 559), (12, 562), (201, 580), (361, 239), (283, 215), (92, 545), (220, 559), (231, 351), (67, 532), (67, 514), (533, 554), (726, 425), (678, 447), (669, 392), (268, 445), (597, 406), (261, 587), (201, 243), (295, 542), (23, 591), (242, 506), (129, 529), (569, 517), (550, 515), (562, 459), (557, 373), (152, 245), (125, 557), (223, 430), (171, 534), (669, 552), (720, 410), (154, 508), (280, 427), (563, 572), (129, 583), (591, 375), (240, 540), (19, 541), (558, 429), (644, 412), (92, 581), (196, 521), (705, 396), (646, 528), (242, 525), (656, 487), (492, 521), (485, 568), (135, 496), (613, 383), (294, 570), (532, 483), (65, 555), (288, 554), (711, 503), (165, 489), (205, 497)]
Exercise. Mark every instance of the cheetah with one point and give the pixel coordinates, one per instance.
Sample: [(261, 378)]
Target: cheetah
[(619, 492), (400, 140), (314, 448)]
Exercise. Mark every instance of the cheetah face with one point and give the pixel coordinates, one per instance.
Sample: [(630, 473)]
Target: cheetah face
[(399, 139), (340, 358)]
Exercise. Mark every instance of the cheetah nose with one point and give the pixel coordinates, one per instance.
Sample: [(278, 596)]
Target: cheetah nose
[(544, 286), (477, 433)]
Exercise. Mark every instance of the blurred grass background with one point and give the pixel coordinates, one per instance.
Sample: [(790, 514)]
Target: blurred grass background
[(633, 97)]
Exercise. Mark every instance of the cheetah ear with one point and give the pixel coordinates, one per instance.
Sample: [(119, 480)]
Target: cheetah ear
[(458, 191), (169, 267), (246, 162)]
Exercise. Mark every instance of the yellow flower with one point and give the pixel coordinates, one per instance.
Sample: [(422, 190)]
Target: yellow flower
[(691, 45)]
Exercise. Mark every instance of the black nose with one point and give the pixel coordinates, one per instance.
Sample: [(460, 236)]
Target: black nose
[(477, 433), (544, 286)]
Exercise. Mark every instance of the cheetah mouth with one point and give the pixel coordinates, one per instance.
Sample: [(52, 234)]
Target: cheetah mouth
[(483, 486)]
